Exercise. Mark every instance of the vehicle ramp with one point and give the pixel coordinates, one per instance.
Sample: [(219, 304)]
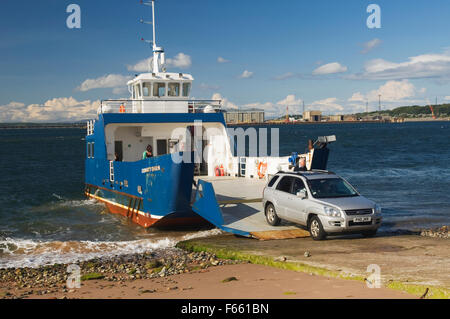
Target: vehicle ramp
[(234, 205)]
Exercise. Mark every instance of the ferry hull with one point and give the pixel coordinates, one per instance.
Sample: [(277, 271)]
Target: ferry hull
[(152, 192), (146, 220)]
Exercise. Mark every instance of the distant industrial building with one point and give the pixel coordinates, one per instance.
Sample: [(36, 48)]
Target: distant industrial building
[(243, 117), (312, 116), (336, 118)]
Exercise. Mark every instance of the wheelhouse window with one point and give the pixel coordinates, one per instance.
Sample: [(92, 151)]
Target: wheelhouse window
[(159, 89), (186, 89), (174, 89), (146, 88), (137, 90)]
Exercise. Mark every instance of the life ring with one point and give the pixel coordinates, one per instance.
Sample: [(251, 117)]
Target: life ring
[(262, 169), (217, 171), (122, 108)]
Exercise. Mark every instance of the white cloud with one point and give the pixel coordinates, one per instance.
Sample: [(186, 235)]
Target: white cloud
[(55, 110), (357, 97), (278, 109), (329, 105), (391, 91), (181, 60), (369, 46), (222, 60), (290, 100), (246, 74), (142, 66), (285, 76), (447, 98), (417, 67), (120, 90), (226, 104), (330, 68), (271, 109), (106, 81)]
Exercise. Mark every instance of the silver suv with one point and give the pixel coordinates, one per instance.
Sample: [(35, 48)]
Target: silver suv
[(321, 201)]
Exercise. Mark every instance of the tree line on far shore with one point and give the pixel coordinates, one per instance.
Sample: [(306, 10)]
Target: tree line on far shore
[(442, 110)]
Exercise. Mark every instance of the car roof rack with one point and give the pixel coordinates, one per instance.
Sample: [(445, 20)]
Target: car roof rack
[(302, 173)]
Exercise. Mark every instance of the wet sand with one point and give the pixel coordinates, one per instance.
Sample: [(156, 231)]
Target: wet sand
[(253, 281), (407, 259)]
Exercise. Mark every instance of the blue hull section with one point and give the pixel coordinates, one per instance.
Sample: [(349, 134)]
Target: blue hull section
[(159, 186)]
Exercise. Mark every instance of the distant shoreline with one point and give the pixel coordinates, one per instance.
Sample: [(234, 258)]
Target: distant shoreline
[(41, 126), (83, 125)]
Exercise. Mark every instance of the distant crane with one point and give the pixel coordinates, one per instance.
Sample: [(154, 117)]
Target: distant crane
[(432, 112), (287, 115)]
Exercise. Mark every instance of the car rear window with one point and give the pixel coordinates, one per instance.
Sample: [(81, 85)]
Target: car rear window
[(272, 181), (285, 184)]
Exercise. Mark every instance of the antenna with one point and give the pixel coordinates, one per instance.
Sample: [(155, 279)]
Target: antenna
[(379, 102), (158, 53)]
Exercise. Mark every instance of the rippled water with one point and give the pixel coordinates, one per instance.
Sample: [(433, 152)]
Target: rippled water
[(45, 218)]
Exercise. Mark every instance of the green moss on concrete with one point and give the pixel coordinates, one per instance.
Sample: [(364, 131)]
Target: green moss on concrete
[(229, 279), (262, 260), (232, 254), (419, 290), (92, 276), (289, 293)]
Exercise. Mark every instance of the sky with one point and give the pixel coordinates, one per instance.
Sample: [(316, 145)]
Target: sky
[(250, 54)]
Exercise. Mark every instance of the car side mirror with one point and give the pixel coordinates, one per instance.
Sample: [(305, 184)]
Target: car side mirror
[(301, 194)]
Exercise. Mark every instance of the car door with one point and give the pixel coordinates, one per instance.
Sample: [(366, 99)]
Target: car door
[(296, 206), (282, 193)]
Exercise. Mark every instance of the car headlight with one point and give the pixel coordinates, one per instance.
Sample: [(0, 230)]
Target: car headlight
[(377, 209), (332, 212)]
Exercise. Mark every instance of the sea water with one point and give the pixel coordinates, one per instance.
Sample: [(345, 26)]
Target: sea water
[(45, 218)]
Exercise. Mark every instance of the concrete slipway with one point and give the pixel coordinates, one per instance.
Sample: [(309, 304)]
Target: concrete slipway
[(234, 205)]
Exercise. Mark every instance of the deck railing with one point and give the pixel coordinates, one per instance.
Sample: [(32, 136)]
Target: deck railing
[(137, 106)]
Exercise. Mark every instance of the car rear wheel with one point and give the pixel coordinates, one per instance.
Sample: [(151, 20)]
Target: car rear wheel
[(271, 216), (316, 229)]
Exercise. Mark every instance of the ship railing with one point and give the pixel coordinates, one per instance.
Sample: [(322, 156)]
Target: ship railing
[(139, 106), (90, 127)]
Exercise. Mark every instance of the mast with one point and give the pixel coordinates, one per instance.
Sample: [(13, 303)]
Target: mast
[(154, 25), (158, 52)]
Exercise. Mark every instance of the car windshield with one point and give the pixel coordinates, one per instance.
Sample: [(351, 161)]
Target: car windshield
[(330, 188)]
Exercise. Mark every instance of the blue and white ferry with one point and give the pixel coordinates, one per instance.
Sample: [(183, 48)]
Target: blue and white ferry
[(162, 190)]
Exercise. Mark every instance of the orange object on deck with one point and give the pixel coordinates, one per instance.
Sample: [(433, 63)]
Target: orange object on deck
[(262, 168), (122, 109)]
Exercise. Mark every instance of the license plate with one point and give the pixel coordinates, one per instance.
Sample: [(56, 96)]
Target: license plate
[(362, 219)]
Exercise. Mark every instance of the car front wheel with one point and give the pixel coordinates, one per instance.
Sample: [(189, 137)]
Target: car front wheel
[(271, 216), (316, 229)]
